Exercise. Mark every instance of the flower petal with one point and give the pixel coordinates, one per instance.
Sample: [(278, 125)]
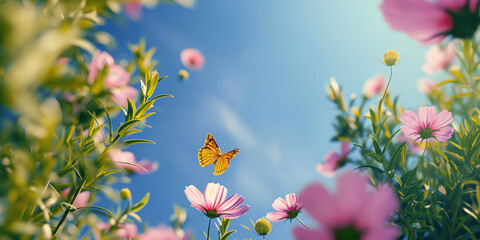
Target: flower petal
[(344, 149), (426, 116), (410, 119), (319, 204), (351, 196), (234, 213), (444, 118), (332, 157), (444, 134), (379, 208), (215, 194), (327, 169), (425, 20), (280, 205), (292, 201), (301, 233), (276, 216), (195, 197), (232, 202), (385, 233)]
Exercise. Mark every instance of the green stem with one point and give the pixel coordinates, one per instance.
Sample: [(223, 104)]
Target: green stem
[(67, 209), (208, 231), (388, 84), (302, 223)]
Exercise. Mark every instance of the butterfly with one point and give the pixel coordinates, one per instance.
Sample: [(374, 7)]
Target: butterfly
[(210, 153)]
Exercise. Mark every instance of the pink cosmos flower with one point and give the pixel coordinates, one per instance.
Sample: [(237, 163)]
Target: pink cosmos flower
[(159, 233), (82, 198), (431, 21), (127, 231), (120, 95), (439, 59), (352, 211), (426, 86), (192, 58), (374, 85), (117, 76), (133, 9), (286, 209), (99, 61), (213, 203), (118, 156), (412, 146), (334, 160), (427, 125)]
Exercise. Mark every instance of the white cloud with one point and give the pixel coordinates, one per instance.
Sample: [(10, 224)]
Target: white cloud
[(233, 124)]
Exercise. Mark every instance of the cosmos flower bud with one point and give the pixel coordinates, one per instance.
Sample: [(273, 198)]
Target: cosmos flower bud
[(390, 57), (183, 74), (262, 227), (125, 194)]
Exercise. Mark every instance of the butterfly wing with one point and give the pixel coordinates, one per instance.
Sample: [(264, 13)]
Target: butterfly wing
[(223, 162), (209, 153), (210, 142)]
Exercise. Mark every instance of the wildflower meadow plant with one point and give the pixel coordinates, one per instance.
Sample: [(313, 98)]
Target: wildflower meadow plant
[(70, 111)]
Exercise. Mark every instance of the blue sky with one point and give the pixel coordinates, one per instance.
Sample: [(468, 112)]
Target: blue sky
[(262, 90)]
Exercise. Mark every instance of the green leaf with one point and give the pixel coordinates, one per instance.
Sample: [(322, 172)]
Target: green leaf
[(371, 167), (82, 163), (125, 126), (389, 141), (373, 118), (447, 160), (396, 156), (456, 145), (70, 134), (98, 208), (130, 110), (110, 129), (137, 207), (376, 145), (409, 176), (228, 234), (135, 141), (106, 173), (133, 164), (245, 227), (224, 225), (162, 96)]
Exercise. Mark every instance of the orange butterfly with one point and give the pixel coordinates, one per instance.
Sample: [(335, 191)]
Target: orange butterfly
[(210, 153)]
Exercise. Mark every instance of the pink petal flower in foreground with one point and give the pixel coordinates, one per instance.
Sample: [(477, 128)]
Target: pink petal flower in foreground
[(427, 125), (127, 231), (439, 59), (159, 233), (431, 21), (213, 203), (374, 85), (82, 198), (132, 9), (334, 160), (426, 86), (120, 95), (285, 209), (192, 58), (118, 156), (352, 212)]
